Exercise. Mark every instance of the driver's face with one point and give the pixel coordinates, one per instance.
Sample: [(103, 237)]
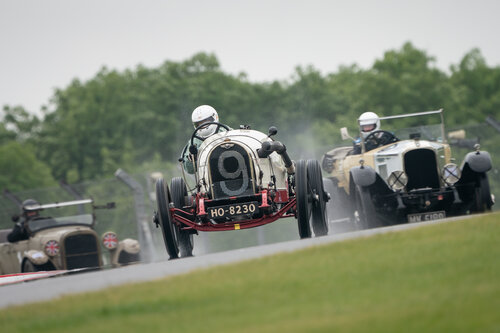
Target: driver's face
[(31, 214), (368, 128), (204, 121)]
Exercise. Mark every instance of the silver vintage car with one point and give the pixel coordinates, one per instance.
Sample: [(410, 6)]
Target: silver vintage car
[(62, 243), (243, 179)]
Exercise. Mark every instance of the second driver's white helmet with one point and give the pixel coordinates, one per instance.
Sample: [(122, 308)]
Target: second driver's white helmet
[(204, 114), (368, 123)]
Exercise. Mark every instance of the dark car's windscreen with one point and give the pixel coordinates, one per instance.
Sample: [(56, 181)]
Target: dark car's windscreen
[(44, 223)]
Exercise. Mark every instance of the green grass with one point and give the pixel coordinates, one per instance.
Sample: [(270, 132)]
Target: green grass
[(440, 278)]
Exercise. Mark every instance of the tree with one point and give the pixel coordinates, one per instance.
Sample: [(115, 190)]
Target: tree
[(20, 169)]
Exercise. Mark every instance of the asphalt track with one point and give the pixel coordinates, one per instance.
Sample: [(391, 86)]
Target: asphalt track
[(51, 288)]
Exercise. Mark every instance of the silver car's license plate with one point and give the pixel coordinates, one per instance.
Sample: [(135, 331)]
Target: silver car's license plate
[(429, 216)]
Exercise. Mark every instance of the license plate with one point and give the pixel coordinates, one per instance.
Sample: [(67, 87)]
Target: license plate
[(429, 216), (233, 210)]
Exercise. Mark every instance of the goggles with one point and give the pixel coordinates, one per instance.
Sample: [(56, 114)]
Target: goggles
[(201, 122), (367, 128)]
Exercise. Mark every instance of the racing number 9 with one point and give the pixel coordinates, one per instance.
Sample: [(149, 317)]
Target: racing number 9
[(241, 170)]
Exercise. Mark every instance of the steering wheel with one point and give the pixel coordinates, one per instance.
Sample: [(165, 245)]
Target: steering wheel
[(218, 126), (379, 138)]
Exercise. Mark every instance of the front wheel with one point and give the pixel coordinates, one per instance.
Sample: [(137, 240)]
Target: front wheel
[(364, 209), (165, 219), (184, 237), (303, 199), (319, 198), (28, 267), (482, 194)]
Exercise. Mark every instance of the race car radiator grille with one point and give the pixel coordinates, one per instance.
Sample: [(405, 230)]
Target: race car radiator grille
[(231, 171), (421, 169), (81, 251)]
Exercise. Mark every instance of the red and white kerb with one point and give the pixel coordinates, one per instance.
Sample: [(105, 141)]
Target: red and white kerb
[(52, 248), (110, 240)]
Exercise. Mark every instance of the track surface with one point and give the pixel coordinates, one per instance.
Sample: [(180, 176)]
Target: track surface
[(51, 288)]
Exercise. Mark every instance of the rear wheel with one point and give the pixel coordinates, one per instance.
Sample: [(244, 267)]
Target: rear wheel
[(166, 222), (303, 199), (184, 237), (319, 198), (482, 194)]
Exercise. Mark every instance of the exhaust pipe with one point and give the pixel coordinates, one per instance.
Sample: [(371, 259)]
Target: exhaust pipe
[(268, 147)]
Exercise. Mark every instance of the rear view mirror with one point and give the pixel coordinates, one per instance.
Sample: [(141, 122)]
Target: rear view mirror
[(345, 134), (272, 131)]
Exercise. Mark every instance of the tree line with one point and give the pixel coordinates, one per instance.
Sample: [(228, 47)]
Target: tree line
[(139, 119)]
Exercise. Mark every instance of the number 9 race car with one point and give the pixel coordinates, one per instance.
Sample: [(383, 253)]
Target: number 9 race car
[(243, 179), (405, 176)]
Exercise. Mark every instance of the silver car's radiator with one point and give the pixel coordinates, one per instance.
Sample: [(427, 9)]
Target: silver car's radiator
[(81, 250), (231, 171)]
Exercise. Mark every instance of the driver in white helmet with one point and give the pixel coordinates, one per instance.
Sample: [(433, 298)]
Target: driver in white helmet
[(369, 122), (201, 115)]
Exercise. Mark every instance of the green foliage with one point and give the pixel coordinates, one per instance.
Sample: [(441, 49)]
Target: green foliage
[(20, 169), (129, 118), (439, 278)]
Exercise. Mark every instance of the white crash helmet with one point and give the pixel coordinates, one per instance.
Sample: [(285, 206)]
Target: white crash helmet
[(204, 114), (368, 123)]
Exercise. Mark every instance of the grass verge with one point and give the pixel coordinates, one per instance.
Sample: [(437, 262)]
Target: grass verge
[(440, 278)]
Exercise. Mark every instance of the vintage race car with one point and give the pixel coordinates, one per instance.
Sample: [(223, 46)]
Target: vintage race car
[(243, 179), (64, 243), (407, 175)]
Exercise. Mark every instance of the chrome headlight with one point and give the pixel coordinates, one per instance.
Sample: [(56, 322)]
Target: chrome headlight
[(451, 173), (397, 180)]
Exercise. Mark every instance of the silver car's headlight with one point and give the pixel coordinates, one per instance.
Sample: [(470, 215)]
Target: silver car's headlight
[(451, 173), (397, 180)]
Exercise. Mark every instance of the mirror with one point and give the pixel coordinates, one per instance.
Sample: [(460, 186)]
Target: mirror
[(345, 134), (272, 131)]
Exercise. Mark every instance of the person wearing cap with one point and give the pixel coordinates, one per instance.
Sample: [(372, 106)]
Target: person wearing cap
[(19, 231)]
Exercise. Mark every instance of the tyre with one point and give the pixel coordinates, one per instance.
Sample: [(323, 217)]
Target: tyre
[(303, 199), (364, 210), (319, 196), (482, 194), (184, 237), (28, 266), (166, 223)]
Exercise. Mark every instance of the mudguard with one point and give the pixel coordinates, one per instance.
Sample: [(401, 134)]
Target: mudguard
[(130, 245), (363, 176), (36, 257), (478, 161)]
